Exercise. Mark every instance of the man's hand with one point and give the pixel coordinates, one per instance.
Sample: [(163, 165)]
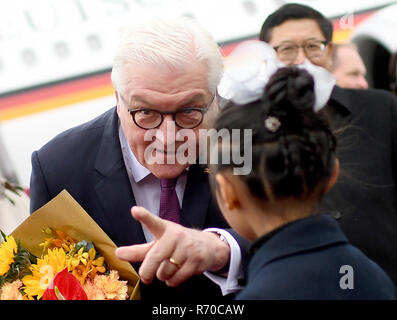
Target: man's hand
[(192, 251)]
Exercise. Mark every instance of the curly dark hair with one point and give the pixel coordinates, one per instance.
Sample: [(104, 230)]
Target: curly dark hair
[(297, 159)]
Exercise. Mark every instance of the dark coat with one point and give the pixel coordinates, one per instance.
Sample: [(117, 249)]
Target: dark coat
[(364, 200), (305, 260), (88, 163)]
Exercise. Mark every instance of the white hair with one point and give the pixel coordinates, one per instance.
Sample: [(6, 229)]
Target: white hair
[(172, 42)]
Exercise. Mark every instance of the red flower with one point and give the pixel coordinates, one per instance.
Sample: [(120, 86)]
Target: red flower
[(65, 286)]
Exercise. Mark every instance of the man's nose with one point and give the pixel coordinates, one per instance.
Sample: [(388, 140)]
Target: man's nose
[(362, 83), (167, 128), (300, 57)]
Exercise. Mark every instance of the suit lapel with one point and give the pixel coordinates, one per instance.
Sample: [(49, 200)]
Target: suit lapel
[(341, 96), (114, 190), (196, 198)]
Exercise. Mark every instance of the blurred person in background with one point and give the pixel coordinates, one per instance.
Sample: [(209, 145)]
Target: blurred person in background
[(364, 200), (348, 67)]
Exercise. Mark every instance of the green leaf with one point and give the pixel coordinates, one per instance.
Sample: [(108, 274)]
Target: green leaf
[(3, 235), (13, 188), (84, 244)]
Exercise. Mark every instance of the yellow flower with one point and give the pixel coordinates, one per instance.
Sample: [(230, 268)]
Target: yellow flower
[(44, 272), (83, 264), (59, 239), (8, 249), (79, 256), (10, 291), (106, 287)]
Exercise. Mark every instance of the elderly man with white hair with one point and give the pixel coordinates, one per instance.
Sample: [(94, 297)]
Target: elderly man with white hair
[(165, 75)]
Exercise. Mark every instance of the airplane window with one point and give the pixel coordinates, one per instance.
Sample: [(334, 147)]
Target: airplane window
[(28, 57), (61, 49), (94, 43), (250, 7)]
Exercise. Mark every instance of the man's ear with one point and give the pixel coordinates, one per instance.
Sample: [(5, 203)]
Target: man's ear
[(227, 191), (117, 101), (334, 176)]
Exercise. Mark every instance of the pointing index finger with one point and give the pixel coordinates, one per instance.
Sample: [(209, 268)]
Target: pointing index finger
[(154, 224)]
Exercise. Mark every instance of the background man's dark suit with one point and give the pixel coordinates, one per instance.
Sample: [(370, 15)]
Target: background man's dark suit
[(88, 163), (364, 200)]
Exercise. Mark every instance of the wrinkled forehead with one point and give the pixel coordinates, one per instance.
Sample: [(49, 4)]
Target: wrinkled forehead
[(166, 86), (165, 78)]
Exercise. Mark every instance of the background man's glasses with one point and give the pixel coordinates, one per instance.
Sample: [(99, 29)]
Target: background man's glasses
[(288, 52), (186, 118)]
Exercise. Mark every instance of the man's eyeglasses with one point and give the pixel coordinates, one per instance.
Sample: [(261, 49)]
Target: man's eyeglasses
[(186, 118), (288, 52)]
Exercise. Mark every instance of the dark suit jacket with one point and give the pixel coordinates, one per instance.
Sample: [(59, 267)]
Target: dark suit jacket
[(364, 200), (303, 260), (88, 163)]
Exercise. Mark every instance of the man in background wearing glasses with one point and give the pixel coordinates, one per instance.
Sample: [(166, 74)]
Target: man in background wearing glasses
[(364, 200), (298, 32), (163, 72)]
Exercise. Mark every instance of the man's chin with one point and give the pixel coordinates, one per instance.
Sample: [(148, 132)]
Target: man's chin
[(167, 171)]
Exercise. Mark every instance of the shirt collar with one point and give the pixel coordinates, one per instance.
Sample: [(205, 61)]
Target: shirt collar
[(137, 170)]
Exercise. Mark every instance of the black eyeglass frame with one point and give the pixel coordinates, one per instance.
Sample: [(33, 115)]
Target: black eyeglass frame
[(132, 112)]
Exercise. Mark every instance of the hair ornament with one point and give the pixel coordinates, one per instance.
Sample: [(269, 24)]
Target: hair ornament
[(272, 124), (251, 64)]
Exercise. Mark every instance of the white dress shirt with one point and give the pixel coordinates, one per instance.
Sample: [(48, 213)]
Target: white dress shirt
[(146, 187)]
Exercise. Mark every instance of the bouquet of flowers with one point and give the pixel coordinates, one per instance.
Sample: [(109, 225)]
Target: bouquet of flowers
[(60, 253)]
